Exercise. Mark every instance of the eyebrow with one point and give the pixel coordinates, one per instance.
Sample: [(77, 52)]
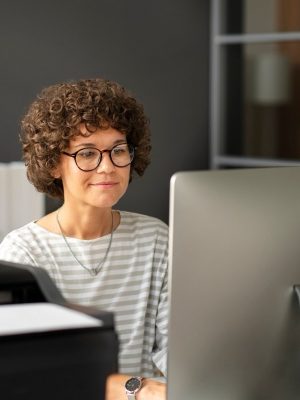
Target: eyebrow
[(87, 144)]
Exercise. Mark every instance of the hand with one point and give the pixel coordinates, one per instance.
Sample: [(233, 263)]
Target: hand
[(151, 390)]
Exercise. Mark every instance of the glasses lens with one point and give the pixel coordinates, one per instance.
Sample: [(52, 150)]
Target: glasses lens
[(88, 159), (122, 154)]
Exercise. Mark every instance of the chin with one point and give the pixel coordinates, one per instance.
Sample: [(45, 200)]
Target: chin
[(108, 203)]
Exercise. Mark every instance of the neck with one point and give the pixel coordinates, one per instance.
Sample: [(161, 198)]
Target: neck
[(85, 225)]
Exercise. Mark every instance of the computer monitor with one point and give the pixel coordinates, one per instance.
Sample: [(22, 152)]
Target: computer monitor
[(234, 260)]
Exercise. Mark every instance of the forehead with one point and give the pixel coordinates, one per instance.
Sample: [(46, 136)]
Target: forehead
[(97, 137)]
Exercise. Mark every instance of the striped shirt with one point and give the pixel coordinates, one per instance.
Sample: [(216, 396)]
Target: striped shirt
[(132, 282)]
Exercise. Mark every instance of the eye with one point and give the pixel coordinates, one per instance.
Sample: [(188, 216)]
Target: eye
[(120, 150), (88, 154)]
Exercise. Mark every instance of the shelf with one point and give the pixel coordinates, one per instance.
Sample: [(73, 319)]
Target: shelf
[(256, 38), (228, 83), (235, 161)]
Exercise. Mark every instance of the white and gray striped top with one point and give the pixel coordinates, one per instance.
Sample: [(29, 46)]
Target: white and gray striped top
[(132, 283)]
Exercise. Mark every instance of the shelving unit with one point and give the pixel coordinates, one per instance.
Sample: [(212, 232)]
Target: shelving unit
[(221, 44)]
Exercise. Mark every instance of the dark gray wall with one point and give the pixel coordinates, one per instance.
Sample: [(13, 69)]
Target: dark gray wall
[(158, 49)]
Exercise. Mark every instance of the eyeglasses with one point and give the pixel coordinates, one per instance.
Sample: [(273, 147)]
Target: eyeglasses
[(89, 158)]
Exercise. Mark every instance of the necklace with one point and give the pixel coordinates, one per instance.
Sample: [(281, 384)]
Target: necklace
[(92, 271)]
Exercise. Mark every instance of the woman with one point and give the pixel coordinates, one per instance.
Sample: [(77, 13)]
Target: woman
[(82, 143)]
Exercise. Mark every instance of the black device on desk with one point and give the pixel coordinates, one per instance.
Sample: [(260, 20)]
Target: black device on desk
[(61, 364)]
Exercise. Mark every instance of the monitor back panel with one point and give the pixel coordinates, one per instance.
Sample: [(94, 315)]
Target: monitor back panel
[(234, 258)]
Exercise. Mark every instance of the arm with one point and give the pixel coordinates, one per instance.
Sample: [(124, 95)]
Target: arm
[(151, 389), (159, 353)]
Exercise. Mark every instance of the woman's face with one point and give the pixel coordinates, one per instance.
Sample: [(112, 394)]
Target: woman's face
[(102, 187)]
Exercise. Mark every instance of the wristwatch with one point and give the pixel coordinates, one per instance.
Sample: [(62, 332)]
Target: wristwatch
[(132, 386)]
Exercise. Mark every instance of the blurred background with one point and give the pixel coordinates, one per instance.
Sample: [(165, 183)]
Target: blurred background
[(219, 80), (255, 83)]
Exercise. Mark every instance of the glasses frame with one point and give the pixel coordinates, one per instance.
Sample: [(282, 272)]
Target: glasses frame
[(109, 151)]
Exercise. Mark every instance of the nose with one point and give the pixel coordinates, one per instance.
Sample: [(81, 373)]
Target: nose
[(106, 164)]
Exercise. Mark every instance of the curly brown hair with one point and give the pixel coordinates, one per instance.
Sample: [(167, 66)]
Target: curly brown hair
[(53, 118)]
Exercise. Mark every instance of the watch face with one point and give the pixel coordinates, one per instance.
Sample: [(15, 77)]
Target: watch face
[(133, 384)]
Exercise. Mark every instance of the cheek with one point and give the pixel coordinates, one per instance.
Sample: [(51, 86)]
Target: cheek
[(72, 176), (69, 169), (127, 174)]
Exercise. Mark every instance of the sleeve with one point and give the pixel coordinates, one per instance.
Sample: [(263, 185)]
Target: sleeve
[(159, 354), (12, 250)]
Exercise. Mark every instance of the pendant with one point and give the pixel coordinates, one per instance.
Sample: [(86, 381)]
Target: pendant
[(93, 272)]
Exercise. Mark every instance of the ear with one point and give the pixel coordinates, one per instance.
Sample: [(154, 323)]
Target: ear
[(55, 173)]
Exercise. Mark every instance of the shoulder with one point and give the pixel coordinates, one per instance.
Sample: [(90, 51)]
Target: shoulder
[(149, 237), (20, 232), (143, 222), (24, 236), (18, 245)]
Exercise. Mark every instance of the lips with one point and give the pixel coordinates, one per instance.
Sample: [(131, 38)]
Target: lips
[(104, 184)]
